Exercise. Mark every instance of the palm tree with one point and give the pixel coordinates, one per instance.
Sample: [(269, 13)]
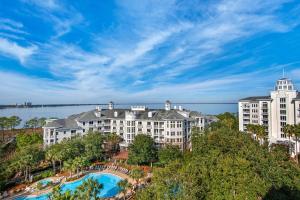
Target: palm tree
[(80, 162), (297, 136), (113, 141), (124, 185), (261, 133), (69, 166), (89, 189), (51, 155), (289, 131), (137, 174)]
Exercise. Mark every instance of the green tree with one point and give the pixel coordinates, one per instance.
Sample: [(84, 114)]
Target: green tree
[(93, 145), (14, 121), (26, 159), (142, 150), (169, 153), (137, 174), (89, 189), (57, 194), (297, 136), (112, 143), (52, 155), (69, 166), (289, 130), (41, 121), (24, 139), (32, 123), (3, 126), (226, 164), (124, 185), (80, 162)]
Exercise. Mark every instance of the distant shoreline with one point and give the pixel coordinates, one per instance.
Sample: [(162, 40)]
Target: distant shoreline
[(93, 104)]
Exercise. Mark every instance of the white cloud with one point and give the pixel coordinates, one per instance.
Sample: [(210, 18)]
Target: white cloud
[(12, 49), (46, 4)]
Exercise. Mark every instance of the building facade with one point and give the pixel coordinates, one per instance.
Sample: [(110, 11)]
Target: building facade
[(280, 108), (163, 125)]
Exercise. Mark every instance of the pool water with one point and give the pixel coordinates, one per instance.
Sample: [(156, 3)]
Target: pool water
[(109, 181), (45, 182)]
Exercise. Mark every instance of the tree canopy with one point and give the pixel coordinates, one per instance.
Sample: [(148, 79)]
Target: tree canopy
[(142, 150), (169, 153), (226, 164)]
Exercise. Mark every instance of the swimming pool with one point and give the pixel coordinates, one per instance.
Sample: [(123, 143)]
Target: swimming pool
[(109, 181)]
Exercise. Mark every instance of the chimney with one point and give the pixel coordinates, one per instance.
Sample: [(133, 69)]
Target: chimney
[(150, 114), (180, 108), (115, 114), (111, 105), (175, 107), (98, 111)]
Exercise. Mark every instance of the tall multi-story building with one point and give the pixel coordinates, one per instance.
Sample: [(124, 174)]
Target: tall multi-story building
[(163, 125), (280, 108)]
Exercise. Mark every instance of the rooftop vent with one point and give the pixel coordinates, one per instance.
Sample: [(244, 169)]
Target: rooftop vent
[(150, 114), (115, 114)]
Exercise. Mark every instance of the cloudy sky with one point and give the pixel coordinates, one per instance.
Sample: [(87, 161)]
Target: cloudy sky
[(87, 51)]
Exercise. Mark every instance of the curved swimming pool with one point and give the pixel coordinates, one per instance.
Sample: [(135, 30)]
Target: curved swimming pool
[(109, 181)]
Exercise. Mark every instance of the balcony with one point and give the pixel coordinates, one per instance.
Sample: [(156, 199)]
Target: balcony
[(149, 126), (140, 126)]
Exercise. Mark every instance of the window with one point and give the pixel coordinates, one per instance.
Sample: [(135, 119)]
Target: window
[(83, 130), (65, 132), (99, 122), (91, 122), (73, 131), (282, 100), (282, 106), (283, 118), (282, 112), (172, 124), (179, 124), (83, 123), (172, 133)]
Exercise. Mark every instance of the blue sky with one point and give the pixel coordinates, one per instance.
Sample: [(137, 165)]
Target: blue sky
[(84, 51)]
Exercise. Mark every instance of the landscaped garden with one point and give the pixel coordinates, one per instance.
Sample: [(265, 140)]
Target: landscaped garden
[(35, 172)]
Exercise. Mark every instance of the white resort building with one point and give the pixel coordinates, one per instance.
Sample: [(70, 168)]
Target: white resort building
[(163, 125), (281, 107)]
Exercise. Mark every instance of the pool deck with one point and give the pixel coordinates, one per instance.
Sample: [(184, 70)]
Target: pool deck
[(45, 191)]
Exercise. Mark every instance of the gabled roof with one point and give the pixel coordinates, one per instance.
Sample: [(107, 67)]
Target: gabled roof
[(63, 123), (256, 98)]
